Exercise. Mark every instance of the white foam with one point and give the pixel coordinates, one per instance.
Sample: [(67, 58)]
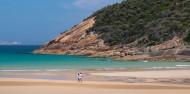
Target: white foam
[(171, 67), (157, 67), (52, 70), (145, 61), (49, 70), (183, 65), (164, 67), (18, 70)]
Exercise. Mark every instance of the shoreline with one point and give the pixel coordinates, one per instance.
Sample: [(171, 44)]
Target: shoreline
[(143, 57), (166, 76), (98, 81)]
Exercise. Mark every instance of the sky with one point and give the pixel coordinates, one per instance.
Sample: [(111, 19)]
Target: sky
[(35, 22)]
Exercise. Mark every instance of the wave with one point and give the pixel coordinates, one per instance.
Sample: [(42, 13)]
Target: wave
[(157, 67), (169, 67), (48, 70), (183, 65), (59, 69), (18, 70)]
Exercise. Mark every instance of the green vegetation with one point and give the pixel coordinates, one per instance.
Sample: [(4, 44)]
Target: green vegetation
[(149, 22), (187, 39)]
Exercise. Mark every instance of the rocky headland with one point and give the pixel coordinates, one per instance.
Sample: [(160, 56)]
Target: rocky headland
[(86, 39)]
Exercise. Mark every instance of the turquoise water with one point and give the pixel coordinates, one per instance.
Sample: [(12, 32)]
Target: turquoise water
[(20, 58)]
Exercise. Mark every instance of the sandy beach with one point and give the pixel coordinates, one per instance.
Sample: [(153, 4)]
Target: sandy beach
[(95, 47), (45, 86), (150, 74), (37, 86)]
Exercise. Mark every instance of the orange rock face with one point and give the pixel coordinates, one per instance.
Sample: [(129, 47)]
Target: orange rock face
[(75, 41)]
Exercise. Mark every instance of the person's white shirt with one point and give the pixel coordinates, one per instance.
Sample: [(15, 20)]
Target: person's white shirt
[(80, 75)]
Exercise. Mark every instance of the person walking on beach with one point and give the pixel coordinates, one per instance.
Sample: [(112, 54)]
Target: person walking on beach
[(79, 78), (80, 75)]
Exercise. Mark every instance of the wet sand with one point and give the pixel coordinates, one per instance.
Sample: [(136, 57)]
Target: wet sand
[(150, 74), (97, 81)]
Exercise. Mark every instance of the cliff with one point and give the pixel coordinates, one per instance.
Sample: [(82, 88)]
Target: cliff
[(75, 41), (154, 30)]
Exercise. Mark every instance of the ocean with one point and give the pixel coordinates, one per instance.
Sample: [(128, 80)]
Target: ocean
[(20, 58)]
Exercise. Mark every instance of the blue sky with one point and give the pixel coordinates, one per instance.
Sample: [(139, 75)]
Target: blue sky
[(38, 21)]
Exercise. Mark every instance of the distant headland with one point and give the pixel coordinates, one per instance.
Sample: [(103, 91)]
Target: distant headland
[(10, 43)]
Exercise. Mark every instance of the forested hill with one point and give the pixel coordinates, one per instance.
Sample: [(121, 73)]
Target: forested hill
[(149, 22), (154, 30)]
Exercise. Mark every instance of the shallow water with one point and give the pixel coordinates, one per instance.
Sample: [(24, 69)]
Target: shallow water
[(19, 58)]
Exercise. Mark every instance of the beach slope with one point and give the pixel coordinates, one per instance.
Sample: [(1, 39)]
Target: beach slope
[(38, 86)]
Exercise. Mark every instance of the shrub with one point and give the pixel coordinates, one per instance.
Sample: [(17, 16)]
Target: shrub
[(130, 20)]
